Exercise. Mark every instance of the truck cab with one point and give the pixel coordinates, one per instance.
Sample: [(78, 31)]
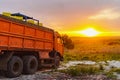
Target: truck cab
[(59, 44)]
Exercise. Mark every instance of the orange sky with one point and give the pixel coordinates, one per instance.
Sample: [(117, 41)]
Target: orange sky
[(71, 16)]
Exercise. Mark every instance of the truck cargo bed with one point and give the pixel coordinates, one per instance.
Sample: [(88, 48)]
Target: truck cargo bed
[(16, 34)]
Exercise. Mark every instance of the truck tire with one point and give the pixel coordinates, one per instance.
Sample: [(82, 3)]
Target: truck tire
[(30, 64), (57, 61), (14, 67)]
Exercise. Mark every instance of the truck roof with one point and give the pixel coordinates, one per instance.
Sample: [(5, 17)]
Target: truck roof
[(26, 23)]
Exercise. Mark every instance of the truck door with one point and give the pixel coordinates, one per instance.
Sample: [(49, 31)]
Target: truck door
[(59, 44)]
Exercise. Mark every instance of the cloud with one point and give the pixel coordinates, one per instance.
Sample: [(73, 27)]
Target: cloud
[(107, 14)]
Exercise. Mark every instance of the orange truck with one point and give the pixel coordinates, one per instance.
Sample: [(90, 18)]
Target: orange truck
[(25, 47)]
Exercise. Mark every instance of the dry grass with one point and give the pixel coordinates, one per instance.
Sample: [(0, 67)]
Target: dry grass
[(96, 49), (82, 70)]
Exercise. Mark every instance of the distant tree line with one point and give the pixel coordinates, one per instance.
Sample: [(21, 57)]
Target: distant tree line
[(68, 43)]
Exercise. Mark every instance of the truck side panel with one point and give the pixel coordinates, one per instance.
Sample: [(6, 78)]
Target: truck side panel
[(30, 32), (39, 45), (15, 42), (4, 41), (28, 43), (15, 35), (16, 29), (4, 26), (39, 34)]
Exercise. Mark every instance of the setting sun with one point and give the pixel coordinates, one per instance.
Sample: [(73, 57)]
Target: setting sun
[(90, 32)]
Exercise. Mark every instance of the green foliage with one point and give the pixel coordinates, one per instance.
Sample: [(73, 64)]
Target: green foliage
[(85, 58), (81, 70), (68, 43), (116, 70), (110, 75), (68, 57), (101, 67)]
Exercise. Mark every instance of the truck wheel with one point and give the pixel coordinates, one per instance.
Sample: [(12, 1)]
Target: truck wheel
[(30, 64), (14, 67), (57, 62)]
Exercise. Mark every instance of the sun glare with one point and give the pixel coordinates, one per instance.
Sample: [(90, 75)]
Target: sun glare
[(90, 32)]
